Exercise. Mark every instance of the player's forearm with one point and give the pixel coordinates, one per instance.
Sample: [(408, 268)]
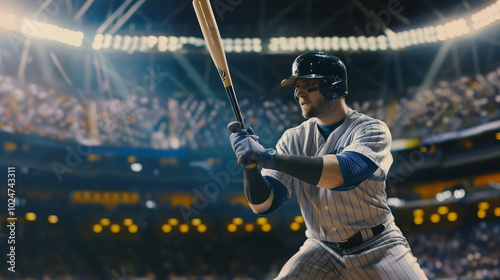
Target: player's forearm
[(323, 172), (257, 191)]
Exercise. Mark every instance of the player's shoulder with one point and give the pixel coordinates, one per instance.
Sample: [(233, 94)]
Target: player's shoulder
[(299, 129), (358, 119)]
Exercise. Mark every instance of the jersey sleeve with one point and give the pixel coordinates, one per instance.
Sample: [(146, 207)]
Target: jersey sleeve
[(282, 147), (373, 140)]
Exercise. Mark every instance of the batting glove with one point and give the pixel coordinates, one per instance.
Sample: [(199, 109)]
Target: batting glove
[(248, 149)]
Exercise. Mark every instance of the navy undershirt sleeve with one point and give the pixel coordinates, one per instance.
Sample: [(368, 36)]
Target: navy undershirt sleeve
[(355, 169), (280, 194)]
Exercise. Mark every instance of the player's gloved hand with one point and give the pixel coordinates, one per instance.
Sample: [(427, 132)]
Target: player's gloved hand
[(247, 148)]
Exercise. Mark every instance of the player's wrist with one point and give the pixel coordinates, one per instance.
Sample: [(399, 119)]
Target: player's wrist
[(269, 159)]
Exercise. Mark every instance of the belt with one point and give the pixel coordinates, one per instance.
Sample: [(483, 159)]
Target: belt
[(357, 239)]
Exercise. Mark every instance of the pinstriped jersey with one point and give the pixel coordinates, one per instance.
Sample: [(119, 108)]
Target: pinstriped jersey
[(330, 215)]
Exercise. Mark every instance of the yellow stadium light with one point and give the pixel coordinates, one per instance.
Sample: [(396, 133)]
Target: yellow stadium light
[(299, 219), (105, 222), (173, 222), (97, 228), (249, 227), (53, 219), (266, 227), (481, 214), (166, 228), (30, 216), (232, 228), (9, 146), (196, 222), (184, 228), (115, 228), (483, 205), (443, 210), (418, 212), (238, 221), (127, 222), (497, 211), (418, 220), (133, 228), (131, 159), (497, 136), (435, 218), (294, 226), (452, 216), (261, 221), (201, 228)]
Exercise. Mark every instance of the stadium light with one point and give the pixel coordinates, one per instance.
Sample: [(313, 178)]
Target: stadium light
[(115, 228), (136, 167), (298, 219), (452, 216), (30, 216), (104, 222), (442, 196), (53, 219), (266, 227), (237, 221), (128, 222), (32, 28), (196, 222), (435, 218), (250, 227), (166, 228), (262, 220), (184, 228), (459, 193), (151, 204), (201, 228), (232, 228), (483, 205), (97, 228), (133, 228), (443, 210), (497, 211)]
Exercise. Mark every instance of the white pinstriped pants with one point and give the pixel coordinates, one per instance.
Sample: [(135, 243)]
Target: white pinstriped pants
[(385, 256)]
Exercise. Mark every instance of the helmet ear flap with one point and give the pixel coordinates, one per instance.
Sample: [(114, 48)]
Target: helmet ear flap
[(331, 87)]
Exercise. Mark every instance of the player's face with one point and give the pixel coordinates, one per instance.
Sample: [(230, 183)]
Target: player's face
[(312, 102)]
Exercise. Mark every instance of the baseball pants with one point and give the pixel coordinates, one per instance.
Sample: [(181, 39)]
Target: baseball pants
[(385, 256)]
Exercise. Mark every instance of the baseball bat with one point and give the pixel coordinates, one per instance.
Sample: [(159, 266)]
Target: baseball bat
[(213, 40)]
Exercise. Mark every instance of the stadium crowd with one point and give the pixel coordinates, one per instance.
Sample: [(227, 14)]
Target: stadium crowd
[(161, 122)]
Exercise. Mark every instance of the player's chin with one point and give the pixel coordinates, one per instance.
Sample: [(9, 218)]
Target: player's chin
[(308, 113)]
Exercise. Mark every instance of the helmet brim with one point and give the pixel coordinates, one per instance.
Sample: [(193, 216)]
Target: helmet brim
[(292, 80)]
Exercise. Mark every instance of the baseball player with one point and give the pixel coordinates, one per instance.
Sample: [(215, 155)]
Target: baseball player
[(336, 162)]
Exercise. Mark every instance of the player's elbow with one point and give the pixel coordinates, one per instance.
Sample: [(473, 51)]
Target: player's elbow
[(264, 206)]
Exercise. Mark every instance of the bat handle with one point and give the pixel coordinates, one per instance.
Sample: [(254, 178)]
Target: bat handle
[(234, 104)]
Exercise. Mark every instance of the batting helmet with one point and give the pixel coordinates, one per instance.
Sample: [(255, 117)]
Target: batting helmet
[(319, 65)]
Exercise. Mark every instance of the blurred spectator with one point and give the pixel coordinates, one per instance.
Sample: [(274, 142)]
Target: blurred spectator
[(199, 123)]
